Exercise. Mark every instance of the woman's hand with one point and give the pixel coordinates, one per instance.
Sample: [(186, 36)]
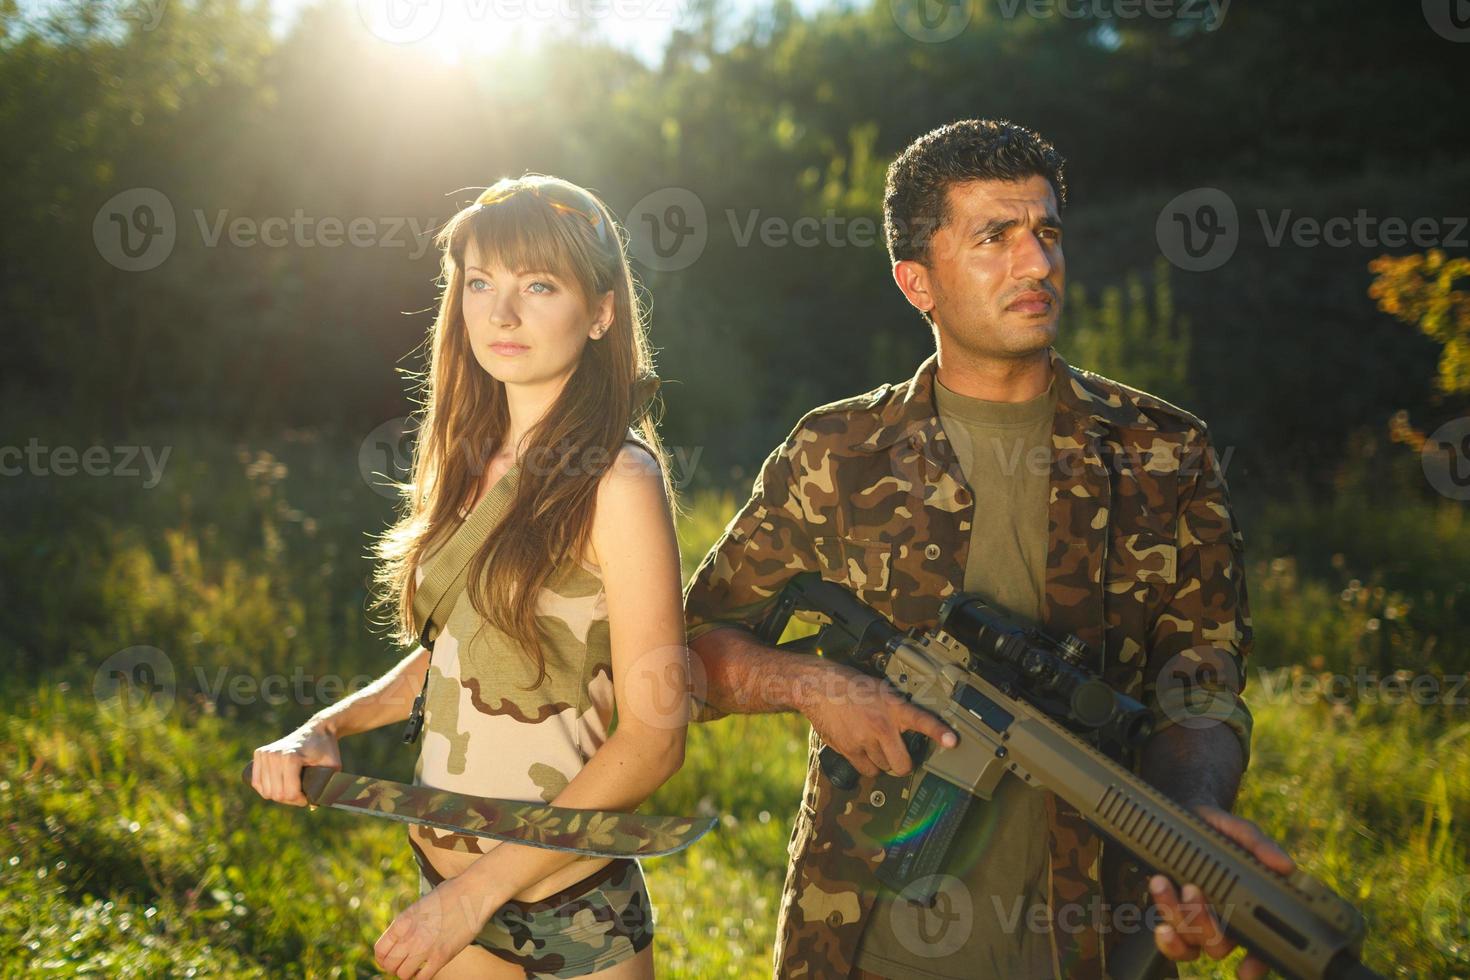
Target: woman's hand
[(433, 930), (277, 771)]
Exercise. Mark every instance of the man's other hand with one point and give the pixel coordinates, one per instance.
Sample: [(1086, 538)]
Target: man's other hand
[(1189, 927)]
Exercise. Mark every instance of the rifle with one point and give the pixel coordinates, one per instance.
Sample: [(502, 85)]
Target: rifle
[(1025, 703)]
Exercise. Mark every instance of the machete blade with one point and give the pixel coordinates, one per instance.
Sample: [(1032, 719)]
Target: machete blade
[(595, 833)]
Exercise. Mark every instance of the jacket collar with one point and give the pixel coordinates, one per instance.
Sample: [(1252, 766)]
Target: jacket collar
[(1092, 405)]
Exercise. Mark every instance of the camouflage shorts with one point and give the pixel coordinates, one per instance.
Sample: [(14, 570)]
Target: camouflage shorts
[(588, 926)]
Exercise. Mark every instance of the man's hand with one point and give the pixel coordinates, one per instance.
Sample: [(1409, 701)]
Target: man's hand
[(864, 719), (1189, 926)]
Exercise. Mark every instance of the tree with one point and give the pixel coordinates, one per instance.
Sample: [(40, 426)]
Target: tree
[(1421, 291)]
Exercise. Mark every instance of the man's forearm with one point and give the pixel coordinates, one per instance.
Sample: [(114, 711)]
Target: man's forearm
[(746, 676), (1195, 765), (384, 701)]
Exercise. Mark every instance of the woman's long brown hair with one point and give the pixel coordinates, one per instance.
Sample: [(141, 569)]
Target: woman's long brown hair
[(464, 417)]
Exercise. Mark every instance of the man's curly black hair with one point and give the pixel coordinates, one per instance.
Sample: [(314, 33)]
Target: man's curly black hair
[(915, 195)]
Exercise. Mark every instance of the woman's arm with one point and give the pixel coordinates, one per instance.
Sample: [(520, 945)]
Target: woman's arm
[(277, 772), (633, 537), (384, 701)]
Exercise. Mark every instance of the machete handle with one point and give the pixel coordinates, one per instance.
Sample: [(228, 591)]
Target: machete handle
[(313, 779)]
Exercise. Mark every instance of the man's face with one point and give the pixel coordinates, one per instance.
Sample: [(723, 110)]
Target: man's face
[(995, 275)]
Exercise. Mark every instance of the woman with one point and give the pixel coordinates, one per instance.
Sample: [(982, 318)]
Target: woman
[(536, 432)]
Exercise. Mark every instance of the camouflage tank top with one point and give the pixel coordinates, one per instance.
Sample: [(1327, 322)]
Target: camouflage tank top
[(486, 731)]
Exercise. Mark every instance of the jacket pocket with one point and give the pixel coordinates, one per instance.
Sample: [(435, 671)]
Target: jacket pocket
[(863, 566), (1144, 557)]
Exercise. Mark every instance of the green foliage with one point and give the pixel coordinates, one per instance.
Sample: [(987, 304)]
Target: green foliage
[(136, 850), (1373, 576), (1133, 333), (1374, 802), (139, 851), (776, 114), (1424, 291), (249, 559)]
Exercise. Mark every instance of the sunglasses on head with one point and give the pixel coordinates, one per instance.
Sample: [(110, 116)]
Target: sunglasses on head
[(561, 197)]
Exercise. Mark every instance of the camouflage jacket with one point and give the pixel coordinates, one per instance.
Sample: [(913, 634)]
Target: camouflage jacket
[(1144, 563)]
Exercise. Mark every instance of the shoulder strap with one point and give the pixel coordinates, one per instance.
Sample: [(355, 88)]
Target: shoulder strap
[(436, 594), (636, 437)]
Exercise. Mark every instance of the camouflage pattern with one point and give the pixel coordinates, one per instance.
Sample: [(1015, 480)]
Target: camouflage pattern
[(487, 730), (1144, 563), (596, 833), (589, 926)]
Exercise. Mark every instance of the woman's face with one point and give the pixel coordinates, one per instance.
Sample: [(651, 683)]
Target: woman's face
[(528, 326)]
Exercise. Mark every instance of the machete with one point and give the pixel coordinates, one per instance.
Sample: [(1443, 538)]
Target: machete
[(595, 833)]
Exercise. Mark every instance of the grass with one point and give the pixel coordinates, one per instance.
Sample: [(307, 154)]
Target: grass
[(133, 849)]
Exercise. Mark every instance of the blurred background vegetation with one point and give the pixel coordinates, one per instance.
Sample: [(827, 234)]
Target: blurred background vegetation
[(271, 375)]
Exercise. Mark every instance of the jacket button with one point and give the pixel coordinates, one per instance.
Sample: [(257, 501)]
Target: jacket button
[(834, 919), (931, 551)]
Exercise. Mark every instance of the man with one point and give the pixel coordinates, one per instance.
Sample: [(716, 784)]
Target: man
[(1067, 499)]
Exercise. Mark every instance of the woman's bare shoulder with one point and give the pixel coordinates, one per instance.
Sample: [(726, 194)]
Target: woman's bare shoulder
[(631, 501)]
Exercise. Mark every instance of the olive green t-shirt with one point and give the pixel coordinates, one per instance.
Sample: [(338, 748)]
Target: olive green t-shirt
[(983, 924)]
